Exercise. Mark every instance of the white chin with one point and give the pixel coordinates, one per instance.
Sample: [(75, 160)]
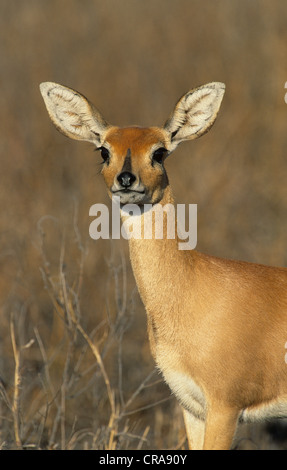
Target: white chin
[(130, 197)]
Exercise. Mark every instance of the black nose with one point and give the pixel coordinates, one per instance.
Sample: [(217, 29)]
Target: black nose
[(126, 179)]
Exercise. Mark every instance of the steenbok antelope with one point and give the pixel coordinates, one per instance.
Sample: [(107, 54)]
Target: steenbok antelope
[(217, 327)]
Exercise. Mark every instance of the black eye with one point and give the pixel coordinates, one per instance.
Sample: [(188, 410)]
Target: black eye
[(159, 155), (105, 154)]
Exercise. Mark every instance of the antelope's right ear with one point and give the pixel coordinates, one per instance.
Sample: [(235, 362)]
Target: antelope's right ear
[(194, 113), (73, 114)]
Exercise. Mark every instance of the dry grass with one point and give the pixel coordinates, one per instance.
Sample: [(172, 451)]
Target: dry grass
[(75, 366), (77, 394)]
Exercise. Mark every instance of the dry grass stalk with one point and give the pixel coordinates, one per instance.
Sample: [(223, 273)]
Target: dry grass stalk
[(17, 385)]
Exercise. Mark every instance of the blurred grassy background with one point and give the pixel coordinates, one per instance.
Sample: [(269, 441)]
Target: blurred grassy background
[(133, 59)]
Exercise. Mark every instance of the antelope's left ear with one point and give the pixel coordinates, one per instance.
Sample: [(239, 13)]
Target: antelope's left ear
[(73, 114), (195, 113)]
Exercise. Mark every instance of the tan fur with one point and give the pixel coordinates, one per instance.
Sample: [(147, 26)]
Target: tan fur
[(217, 327)]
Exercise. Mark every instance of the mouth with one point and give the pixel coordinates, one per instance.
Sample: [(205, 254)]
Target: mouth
[(127, 190), (129, 196)]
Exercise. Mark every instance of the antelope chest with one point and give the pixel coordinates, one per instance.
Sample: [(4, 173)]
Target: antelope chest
[(183, 386)]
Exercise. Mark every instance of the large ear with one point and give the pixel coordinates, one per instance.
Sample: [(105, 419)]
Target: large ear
[(195, 113), (72, 113)]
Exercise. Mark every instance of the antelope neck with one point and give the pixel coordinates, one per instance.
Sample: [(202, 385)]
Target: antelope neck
[(157, 262)]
